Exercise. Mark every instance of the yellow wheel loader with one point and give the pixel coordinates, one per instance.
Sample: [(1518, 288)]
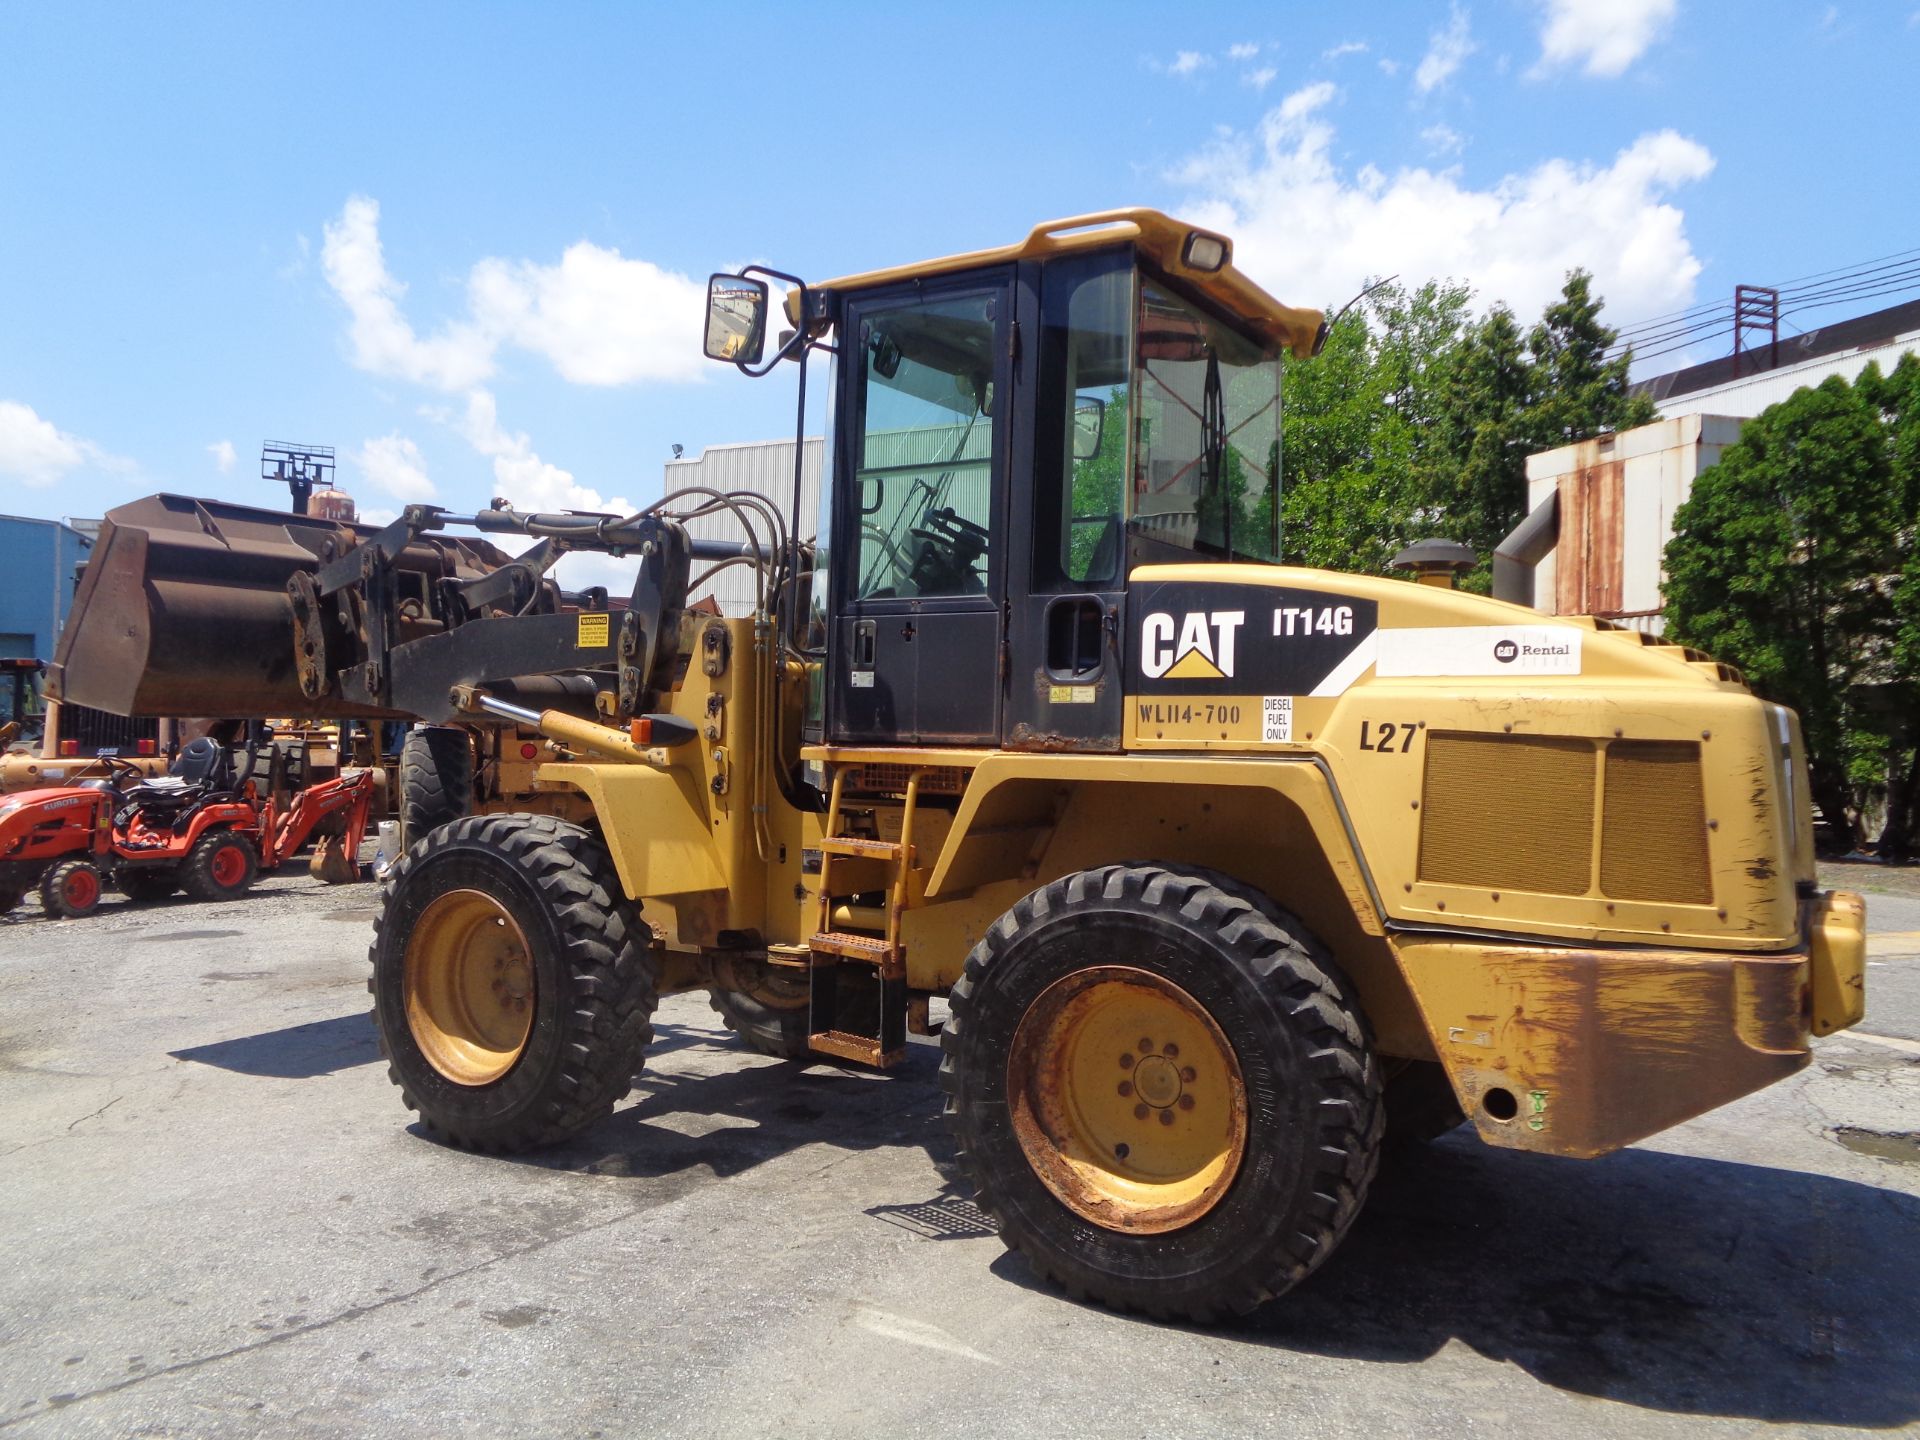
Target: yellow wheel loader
[(1225, 870)]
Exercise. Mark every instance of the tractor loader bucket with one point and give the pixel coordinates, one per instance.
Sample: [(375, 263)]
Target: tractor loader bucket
[(183, 608)]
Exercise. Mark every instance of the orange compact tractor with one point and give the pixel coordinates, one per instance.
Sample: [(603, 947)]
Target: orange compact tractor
[(206, 828)]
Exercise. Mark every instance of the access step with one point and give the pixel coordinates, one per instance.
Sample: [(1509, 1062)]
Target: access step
[(874, 950), (861, 1049), (861, 849)]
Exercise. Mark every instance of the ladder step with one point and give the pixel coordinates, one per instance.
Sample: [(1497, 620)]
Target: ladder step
[(870, 949), (865, 849), (862, 1048)]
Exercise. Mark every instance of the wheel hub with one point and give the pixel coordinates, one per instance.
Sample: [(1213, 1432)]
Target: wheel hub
[(470, 987), (1151, 1149)]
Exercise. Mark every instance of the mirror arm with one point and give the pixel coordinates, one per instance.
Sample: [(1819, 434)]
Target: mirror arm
[(797, 342)]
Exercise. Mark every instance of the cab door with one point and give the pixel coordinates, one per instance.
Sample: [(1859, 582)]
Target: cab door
[(921, 513)]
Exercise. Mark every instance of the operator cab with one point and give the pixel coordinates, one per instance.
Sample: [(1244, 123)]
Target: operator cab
[(1013, 431)]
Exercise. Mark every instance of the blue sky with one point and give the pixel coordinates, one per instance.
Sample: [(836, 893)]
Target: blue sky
[(464, 244)]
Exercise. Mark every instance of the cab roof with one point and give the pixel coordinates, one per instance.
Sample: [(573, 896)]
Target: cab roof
[(1161, 238)]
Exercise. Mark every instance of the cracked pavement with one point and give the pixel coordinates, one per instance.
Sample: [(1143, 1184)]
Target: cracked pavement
[(218, 1220)]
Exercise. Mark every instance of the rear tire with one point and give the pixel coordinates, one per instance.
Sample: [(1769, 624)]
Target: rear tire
[(142, 883), (1269, 1118), (771, 1017), (513, 981), (71, 889), (9, 899), (436, 780), (221, 866)]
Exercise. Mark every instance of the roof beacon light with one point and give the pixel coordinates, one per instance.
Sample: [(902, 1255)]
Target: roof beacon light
[(1205, 252)]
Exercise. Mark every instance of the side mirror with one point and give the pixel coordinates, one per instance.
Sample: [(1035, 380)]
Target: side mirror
[(1089, 425), (736, 319)]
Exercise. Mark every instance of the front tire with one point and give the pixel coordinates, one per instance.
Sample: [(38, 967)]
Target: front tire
[(71, 889), (1163, 1092), (513, 981), (220, 866), (436, 780)]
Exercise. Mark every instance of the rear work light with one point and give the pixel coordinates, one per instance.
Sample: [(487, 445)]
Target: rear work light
[(147, 747), (69, 749)]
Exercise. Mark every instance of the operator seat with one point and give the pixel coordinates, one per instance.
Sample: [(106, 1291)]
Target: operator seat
[(203, 768)]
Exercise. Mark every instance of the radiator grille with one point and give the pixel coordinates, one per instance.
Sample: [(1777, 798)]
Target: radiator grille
[(1508, 812), (889, 779), (1653, 842)]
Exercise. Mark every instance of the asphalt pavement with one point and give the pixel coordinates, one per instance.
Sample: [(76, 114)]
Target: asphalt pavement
[(217, 1220)]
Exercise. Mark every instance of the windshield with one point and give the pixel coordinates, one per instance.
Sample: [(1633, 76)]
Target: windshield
[(1206, 433)]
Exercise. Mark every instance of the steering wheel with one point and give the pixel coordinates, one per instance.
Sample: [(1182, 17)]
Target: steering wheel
[(950, 543), (122, 773)]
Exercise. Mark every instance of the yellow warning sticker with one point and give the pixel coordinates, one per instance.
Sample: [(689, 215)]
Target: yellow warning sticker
[(596, 630)]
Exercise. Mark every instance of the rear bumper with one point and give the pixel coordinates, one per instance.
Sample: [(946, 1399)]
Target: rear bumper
[(1581, 1052)]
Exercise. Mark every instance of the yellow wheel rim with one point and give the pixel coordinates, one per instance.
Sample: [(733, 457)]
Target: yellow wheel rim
[(1127, 1100), (469, 987)]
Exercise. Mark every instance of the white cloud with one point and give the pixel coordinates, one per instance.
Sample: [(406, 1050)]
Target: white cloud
[(394, 463), (1443, 139), (35, 452), (1603, 36), (1446, 52), (1244, 51), (521, 477), (223, 454), (528, 483), (1261, 78), (1188, 62), (1389, 68), (383, 341), (600, 318), (1311, 232), (1345, 47)]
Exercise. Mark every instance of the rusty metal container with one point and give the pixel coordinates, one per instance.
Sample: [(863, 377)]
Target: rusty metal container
[(183, 608)]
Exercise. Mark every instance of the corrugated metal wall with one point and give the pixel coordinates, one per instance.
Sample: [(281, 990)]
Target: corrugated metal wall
[(764, 466)]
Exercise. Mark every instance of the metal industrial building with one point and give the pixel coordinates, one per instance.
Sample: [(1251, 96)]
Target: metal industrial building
[(1611, 499), (38, 559), (764, 466)]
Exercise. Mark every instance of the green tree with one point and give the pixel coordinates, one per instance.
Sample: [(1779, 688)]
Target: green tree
[(1775, 565), (1577, 391), (1416, 420), (1897, 398), (1357, 447), (1485, 430)]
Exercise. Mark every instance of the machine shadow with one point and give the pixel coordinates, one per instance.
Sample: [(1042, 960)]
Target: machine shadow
[(730, 1121), (1687, 1285), (299, 1052)]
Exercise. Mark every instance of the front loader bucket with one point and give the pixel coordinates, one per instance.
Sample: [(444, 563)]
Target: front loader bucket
[(183, 608)]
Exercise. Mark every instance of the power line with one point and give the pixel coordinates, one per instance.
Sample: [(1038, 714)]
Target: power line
[(1683, 329)]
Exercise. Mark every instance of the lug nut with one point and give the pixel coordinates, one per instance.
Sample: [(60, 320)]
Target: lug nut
[(1186, 1102), (1170, 1050), (1189, 1074), (1126, 1062), (1126, 1087), (1146, 1047), (1166, 1117), (1140, 1112)]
